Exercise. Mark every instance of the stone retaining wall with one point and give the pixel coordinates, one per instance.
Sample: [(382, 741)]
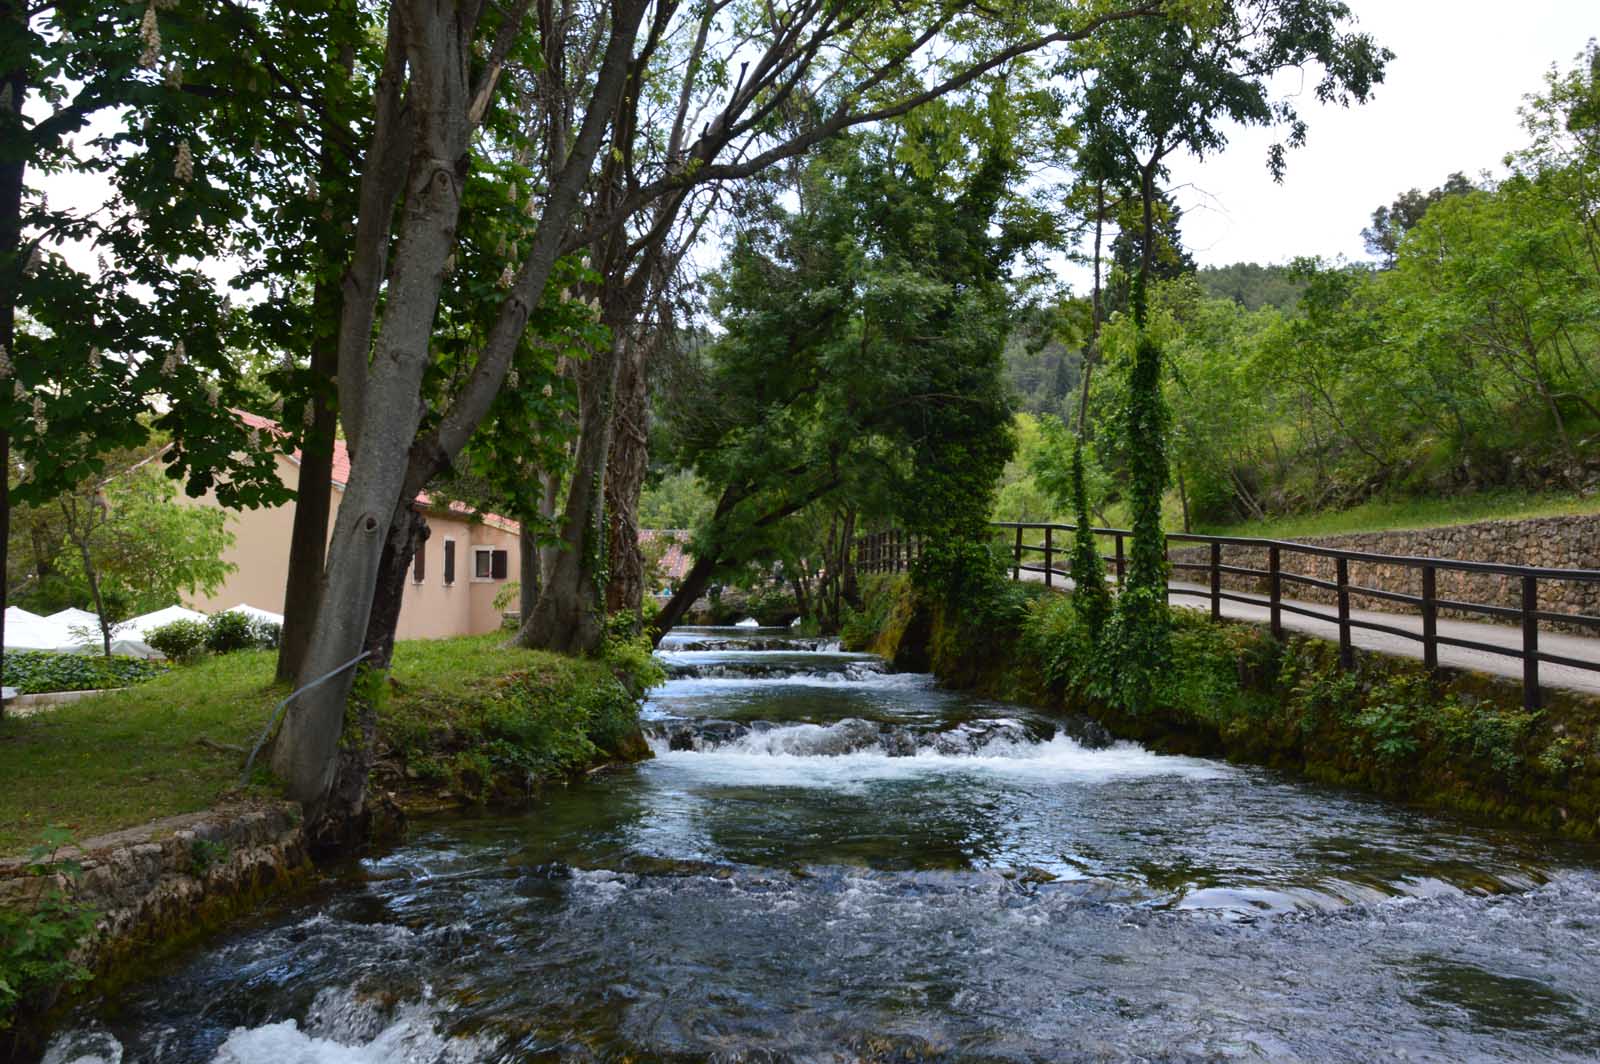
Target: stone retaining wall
[(164, 881), (1550, 542)]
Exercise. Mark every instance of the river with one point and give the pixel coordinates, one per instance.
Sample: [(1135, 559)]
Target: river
[(826, 861)]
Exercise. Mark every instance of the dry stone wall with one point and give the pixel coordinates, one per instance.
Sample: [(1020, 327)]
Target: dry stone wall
[(166, 880), (1548, 542)]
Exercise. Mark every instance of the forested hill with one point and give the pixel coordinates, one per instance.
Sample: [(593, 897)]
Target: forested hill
[(1462, 358), (1252, 286)]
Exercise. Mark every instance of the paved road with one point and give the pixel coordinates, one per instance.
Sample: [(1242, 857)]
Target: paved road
[(1584, 648)]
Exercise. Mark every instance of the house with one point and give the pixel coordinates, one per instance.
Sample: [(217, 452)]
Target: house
[(468, 560)]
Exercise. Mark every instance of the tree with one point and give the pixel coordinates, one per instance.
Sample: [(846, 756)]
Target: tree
[(861, 357), (135, 549), (1168, 86), (442, 76), (1391, 223), (97, 360)]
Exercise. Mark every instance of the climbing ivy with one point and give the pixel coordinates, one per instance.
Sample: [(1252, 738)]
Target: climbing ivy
[(1091, 599)]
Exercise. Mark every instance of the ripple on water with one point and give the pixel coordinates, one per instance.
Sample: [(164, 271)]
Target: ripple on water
[(851, 865)]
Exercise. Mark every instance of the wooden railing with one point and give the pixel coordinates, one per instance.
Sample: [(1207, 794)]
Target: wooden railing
[(893, 552)]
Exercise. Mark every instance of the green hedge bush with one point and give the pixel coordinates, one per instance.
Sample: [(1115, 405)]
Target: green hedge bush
[(180, 641), (34, 672)]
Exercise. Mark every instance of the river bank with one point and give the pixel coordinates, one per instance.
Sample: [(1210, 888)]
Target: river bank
[(132, 834), (1455, 740), (828, 859)]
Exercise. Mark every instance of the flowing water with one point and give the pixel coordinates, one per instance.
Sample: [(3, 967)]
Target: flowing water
[(828, 862)]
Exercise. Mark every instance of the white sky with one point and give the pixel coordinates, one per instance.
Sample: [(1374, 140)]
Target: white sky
[(1448, 102)]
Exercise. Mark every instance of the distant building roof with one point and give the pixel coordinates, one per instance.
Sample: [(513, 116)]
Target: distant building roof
[(675, 561)]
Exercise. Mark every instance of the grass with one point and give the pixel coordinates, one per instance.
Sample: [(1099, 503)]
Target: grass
[(1379, 516), (125, 758)]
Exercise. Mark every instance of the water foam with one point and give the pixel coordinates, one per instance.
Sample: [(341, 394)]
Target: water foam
[(768, 760)]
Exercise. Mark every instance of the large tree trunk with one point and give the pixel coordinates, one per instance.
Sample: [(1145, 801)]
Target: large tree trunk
[(530, 579), (352, 814), (426, 111), (570, 614), (308, 541), (12, 168), (306, 753), (625, 473)]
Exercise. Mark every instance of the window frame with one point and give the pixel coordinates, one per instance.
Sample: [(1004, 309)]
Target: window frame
[(449, 573)]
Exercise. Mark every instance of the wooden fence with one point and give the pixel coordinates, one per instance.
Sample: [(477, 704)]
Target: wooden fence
[(1049, 559)]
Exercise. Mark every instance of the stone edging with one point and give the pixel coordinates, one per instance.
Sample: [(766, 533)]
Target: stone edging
[(165, 881)]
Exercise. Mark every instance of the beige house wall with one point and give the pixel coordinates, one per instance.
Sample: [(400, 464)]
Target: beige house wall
[(428, 610)]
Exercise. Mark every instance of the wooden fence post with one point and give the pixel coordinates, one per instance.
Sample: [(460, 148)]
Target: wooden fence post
[(1216, 581), (1530, 641), (1121, 561), (1016, 557), (1346, 654), (1275, 589), (1430, 619), (1049, 559)]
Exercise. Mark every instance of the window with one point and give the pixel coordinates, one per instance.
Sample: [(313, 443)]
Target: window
[(488, 563), (449, 562), (419, 564)]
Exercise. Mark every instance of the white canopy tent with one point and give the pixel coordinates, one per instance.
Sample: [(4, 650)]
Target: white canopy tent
[(256, 613), (72, 631), (143, 626)]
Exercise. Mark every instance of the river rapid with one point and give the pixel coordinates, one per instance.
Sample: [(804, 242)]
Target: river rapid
[(829, 862)]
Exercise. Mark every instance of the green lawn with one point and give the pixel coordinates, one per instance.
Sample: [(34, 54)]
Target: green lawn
[(1413, 513), (124, 758)]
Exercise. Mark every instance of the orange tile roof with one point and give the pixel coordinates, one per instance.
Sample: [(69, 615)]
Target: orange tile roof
[(675, 561)]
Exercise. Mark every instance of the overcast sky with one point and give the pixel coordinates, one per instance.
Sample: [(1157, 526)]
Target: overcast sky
[(1448, 102)]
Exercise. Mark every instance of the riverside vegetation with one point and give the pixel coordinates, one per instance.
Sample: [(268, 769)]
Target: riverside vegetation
[(1455, 741), (461, 721)]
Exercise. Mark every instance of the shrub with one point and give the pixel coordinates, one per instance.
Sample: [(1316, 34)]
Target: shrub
[(268, 634), (180, 641), (37, 940), (34, 672), (227, 632)]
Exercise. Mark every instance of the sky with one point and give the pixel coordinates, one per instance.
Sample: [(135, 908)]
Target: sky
[(1448, 102)]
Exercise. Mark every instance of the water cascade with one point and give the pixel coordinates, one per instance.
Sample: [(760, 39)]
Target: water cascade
[(829, 861)]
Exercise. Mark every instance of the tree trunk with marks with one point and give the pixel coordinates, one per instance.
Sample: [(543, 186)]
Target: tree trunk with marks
[(625, 472), (570, 615), (308, 540)]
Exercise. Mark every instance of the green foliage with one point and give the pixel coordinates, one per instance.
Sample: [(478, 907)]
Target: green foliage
[(1091, 597), (181, 640), (37, 939), (1251, 287), (858, 373), (206, 854), (40, 671), (227, 632)]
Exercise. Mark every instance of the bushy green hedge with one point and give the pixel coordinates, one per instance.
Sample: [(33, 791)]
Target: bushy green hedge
[(559, 716), (34, 672), (221, 633)]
